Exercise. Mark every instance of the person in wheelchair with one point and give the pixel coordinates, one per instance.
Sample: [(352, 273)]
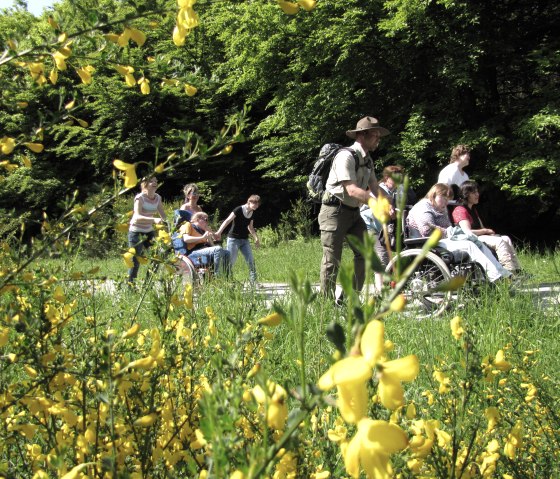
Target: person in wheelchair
[(199, 244), (430, 213), (466, 216)]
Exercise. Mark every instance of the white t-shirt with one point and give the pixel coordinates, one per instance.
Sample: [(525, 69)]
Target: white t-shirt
[(451, 175)]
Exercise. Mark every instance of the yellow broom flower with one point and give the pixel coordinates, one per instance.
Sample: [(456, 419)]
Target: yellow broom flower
[(130, 178), (190, 90), (144, 85), (137, 36), (84, 75), (288, 8), (146, 421), (457, 327), (273, 319), (7, 145), (35, 147), (307, 5), (371, 448)]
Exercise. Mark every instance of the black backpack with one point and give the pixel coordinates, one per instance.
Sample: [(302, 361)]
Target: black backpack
[(317, 181)]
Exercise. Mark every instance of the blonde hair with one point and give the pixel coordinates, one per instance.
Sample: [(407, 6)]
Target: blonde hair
[(441, 189), (198, 215)]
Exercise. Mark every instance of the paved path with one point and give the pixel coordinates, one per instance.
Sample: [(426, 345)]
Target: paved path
[(544, 295)]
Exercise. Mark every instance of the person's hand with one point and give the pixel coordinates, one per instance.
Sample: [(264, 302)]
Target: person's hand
[(157, 221), (490, 231), (217, 236), (257, 242)]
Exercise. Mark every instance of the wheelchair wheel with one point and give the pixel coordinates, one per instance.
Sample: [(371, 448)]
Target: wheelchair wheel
[(423, 300), (187, 270)]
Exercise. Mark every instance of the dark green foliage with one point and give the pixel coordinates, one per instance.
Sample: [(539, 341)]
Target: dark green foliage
[(435, 74)]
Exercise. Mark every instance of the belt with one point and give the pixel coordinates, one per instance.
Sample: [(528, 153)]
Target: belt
[(342, 205)]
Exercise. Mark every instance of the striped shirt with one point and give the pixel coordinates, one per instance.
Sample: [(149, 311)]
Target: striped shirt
[(148, 207)]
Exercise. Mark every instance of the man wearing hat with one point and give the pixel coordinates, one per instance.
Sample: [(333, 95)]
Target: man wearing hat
[(348, 187)]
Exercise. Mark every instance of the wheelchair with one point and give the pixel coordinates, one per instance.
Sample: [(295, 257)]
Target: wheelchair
[(427, 289), (197, 271)]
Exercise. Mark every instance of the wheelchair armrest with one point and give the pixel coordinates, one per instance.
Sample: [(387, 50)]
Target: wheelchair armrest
[(415, 242)]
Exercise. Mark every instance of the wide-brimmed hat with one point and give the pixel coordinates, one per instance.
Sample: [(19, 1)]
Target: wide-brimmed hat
[(365, 124)]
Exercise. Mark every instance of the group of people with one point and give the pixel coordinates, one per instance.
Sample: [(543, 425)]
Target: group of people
[(351, 183), (198, 241)]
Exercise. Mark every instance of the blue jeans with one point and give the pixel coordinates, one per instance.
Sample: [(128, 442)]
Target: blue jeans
[(138, 241), (236, 244), (216, 254)]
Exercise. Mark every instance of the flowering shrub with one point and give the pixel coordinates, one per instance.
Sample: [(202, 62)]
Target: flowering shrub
[(93, 392)]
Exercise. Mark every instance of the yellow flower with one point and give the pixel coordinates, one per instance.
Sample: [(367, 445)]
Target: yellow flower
[(190, 90), (398, 304), (7, 145), (493, 416), (132, 331), (273, 319), (85, 75), (381, 208), (146, 421), (144, 86), (112, 37), (443, 380), (128, 257), (137, 36), (188, 296), (237, 474), (500, 361), (60, 60), (187, 18), (457, 327), (274, 398), (35, 147), (124, 69), (53, 76), (372, 447), (289, 8), (130, 80), (130, 178), (226, 150), (75, 471), (513, 441), (390, 373), (179, 34), (350, 376), (307, 5), (4, 335)]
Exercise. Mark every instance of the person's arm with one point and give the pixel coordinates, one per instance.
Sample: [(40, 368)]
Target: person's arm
[(254, 234), (466, 227), (374, 185), (354, 191), (161, 211), (225, 224), (191, 239)]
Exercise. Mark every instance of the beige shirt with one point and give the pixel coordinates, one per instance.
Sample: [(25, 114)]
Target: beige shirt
[(344, 169)]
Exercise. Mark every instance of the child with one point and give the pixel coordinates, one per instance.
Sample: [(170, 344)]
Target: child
[(241, 219), (141, 230)]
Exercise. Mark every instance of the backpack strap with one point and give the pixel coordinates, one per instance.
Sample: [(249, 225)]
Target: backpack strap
[(356, 157)]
